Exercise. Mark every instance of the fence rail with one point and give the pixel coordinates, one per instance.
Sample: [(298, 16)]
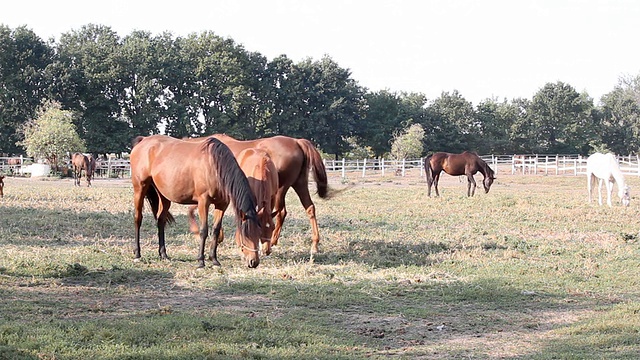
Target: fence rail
[(531, 164)]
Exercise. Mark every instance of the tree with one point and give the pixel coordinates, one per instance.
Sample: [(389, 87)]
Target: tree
[(408, 144), (89, 82), (562, 120), (619, 123), (451, 124), (327, 104), (24, 58), (52, 135)]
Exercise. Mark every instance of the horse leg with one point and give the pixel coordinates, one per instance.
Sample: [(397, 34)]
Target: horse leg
[(589, 185), (138, 203), (280, 214), (203, 213), (609, 191), (429, 183), (600, 191), (162, 222), (471, 185), (305, 198), (436, 178), (218, 235)]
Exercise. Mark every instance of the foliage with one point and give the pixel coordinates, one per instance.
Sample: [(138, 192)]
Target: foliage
[(620, 117), (141, 84), (24, 58), (562, 119), (52, 135), (408, 144)]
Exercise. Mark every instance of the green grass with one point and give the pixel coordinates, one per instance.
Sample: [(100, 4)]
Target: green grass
[(530, 270)]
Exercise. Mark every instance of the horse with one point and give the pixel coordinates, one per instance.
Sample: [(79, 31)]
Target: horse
[(262, 175), (1, 186), (293, 158), (92, 166), (605, 168), (81, 162), (467, 163), (166, 170)]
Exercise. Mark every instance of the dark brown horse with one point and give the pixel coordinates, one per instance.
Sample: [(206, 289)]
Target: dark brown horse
[(1, 186), (467, 163), (166, 170), (263, 180), (293, 158), (81, 162)]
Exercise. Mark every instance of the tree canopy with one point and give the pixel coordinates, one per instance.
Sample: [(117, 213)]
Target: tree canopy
[(142, 84)]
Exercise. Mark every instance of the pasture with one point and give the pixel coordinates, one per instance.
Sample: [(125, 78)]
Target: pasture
[(530, 270)]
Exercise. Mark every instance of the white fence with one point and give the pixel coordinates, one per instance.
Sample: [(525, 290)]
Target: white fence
[(532, 164), (106, 168), (514, 164)]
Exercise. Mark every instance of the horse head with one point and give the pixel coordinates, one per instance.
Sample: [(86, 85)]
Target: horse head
[(625, 196), (488, 179), (249, 249)]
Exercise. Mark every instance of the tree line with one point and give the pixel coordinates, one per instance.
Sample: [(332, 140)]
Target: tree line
[(142, 84)]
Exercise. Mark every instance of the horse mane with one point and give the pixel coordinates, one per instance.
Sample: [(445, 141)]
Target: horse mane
[(233, 182), (314, 160)]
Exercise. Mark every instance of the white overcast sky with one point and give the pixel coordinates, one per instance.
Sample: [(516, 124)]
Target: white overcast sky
[(483, 49)]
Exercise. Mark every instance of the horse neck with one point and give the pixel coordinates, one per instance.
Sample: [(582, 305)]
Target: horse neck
[(484, 168), (617, 175)]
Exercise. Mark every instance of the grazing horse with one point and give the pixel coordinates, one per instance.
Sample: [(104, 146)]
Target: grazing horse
[(92, 165), (166, 170), (467, 163), (605, 168), (293, 158), (81, 162), (263, 180), (1, 186)]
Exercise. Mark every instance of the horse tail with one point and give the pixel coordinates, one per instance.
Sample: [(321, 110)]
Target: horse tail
[(428, 171), (234, 185), (314, 160)]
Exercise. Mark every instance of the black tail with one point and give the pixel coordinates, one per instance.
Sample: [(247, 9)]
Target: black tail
[(234, 183), (428, 171)]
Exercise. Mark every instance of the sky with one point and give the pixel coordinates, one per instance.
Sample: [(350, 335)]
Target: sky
[(500, 49)]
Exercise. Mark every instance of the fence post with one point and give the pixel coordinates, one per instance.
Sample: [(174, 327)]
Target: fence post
[(403, 169), (343, 169), (364, 167)]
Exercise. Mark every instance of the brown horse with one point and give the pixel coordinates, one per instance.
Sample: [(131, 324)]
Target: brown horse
[(92, 165), (80, 162), (467, 163), (293, 158), (263, 180), (1, 186), (166, 170)]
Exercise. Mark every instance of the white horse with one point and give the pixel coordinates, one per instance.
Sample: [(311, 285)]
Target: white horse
[(605, 168)]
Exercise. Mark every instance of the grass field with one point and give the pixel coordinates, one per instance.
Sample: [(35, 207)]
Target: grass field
[(528, 271)]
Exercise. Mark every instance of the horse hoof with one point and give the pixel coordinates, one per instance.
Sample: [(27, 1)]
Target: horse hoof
[(215, 262)]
